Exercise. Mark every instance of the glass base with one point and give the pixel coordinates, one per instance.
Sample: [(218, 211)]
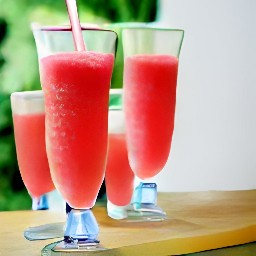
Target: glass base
[(57, 249), (78, 246), (143, 207), (43, 232), (146, 213)]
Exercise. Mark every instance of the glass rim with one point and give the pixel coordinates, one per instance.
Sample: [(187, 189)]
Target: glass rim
[(140, 25), (28, 95), (148, 27), (65, 28)]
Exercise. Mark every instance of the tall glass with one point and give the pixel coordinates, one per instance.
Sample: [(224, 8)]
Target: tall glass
[(150, 78), (29, 131), (28, 121), (119, 177), (76, 87)]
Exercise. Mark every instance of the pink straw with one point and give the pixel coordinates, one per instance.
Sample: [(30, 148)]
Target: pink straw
[(75, 25)]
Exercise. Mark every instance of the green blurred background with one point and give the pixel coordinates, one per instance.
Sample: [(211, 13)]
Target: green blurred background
[(19, 67)]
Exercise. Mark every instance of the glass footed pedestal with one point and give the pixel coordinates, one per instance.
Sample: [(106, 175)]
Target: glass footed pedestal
[(143, 207), (80, 234)]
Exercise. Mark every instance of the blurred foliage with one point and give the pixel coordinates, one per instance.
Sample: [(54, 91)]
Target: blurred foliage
[(19, 67)]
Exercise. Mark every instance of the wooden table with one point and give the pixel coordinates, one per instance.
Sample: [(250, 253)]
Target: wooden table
[(197, 221)]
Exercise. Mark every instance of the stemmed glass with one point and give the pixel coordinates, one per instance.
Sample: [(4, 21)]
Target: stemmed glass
[(76, 86), (150, 78), (119, 177), (29, 131)]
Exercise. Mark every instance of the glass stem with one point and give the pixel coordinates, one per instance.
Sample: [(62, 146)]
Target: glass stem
[(145, 194), (40, 203), (81, 226)]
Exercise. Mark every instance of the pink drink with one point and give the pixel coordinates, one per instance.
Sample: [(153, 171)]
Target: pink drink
[(149, 100), (29, 130), (119, 176), (76, 87)]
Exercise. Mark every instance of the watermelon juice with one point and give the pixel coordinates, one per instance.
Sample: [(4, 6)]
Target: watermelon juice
[(76, 87), (29, 131), (119, 176), (149, 103)]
